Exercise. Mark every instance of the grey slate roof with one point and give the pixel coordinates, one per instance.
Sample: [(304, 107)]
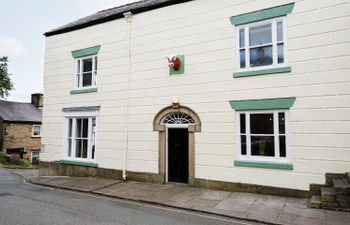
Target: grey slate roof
[(112, 14), (19, 112)]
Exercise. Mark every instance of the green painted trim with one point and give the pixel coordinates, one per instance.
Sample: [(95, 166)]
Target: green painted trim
[(88, 164), (86, 51), (262, 14), (82, 91), (269, 165), (260, 104), (181, 70), (286, 69)]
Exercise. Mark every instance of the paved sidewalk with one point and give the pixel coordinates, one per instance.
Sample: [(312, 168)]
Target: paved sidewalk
[(255, 207)]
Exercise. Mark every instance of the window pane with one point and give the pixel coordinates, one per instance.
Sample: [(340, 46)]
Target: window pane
[(280, 51), (242, 123), (279, 31), (241, 38), (70, 122), (95, 63), (261, 123), (84, 149), (282, 146), (87, 79), (242, 58), (85, 128), (36, 131), (262, 146), (93, 151), (243, 145), (78, 80), (78, 128), (87, 65), (69, 147), (78, 66), (78, 146), (93, 137), (260, 35), (261, 56), (281, 123)]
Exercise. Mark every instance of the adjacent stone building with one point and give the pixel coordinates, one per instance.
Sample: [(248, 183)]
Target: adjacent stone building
[(20, 127)]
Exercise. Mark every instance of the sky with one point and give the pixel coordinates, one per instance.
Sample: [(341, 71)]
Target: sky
[(23, 23)]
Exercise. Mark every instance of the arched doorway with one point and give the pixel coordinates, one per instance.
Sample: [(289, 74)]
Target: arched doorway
[(176, 126)]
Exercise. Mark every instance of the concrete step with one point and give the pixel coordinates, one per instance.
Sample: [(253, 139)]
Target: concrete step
[(327, 194), (341, 186), (315, 202)]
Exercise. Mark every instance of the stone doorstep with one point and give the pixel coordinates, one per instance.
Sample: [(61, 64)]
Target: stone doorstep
[(341, 186), (327, 194)]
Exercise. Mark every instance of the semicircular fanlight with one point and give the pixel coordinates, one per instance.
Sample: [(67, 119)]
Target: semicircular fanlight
[(178, 118)]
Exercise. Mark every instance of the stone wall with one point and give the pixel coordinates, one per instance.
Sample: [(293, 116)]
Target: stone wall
[(20, 136)]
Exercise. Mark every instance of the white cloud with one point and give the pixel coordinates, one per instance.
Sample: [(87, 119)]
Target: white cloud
[(92, 6), (11, 46)]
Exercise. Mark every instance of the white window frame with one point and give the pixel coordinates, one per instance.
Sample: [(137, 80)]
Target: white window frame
[(33, 129), (275, 63), (91, 139), (248, 156), (79, 71)]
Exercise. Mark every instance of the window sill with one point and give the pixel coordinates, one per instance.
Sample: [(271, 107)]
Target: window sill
[(88, 164), (286, 69), (269, 165), (82, 91)]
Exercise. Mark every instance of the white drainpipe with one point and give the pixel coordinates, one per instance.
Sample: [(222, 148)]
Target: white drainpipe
[(128, 17)]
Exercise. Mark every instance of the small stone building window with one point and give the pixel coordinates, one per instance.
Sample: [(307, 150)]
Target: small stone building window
[(36, 131)]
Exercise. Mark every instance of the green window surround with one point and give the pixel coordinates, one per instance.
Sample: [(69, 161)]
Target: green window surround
[(82, 91), (268, 165), (262, 14), (78, 163), (287, 69), (263, 104), (86, 51), (181, 70)]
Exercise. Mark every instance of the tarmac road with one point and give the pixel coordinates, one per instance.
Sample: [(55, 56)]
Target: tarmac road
[(22, 203)]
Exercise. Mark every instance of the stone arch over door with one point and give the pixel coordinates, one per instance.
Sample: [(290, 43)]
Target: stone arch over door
[(193, 126)]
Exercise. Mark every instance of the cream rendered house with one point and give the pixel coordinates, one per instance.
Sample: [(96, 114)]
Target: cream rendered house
[(261, 101)]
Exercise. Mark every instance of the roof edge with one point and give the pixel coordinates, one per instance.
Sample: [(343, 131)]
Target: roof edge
[(113, 17)]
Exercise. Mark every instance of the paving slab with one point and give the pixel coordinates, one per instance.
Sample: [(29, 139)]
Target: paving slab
[(301, 220), (259, 211), (214, 195), (271, 201), (305, 212), (338, 218)]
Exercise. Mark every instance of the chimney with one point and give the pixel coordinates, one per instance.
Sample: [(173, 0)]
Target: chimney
[(37, 100)]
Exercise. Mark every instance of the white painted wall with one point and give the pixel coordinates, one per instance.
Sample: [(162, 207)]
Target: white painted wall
[(318, 52)]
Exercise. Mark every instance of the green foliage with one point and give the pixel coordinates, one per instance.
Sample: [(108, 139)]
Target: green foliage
[(4, 159), (14, 162), (6, 84)]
